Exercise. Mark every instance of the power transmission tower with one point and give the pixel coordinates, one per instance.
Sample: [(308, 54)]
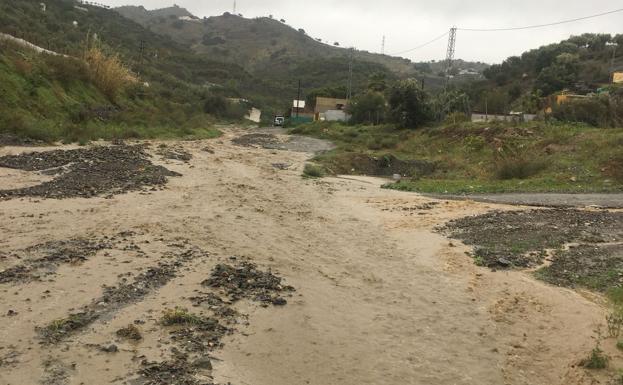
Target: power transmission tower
[(383, 46), (451, 51)]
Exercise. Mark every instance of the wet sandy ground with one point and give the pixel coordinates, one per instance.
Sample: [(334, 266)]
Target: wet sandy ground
[(381, 298)]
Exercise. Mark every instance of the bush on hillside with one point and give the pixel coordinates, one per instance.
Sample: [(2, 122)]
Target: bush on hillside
[(517, 168), (108, 73), (595, 111), (66, 69)]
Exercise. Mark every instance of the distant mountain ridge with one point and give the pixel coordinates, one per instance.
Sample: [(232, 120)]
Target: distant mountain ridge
[(253, 43)]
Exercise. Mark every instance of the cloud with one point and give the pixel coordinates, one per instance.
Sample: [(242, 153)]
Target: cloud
[(409, 23)]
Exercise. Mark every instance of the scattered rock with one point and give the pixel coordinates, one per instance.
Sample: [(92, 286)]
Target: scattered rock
[(203, 363), (130, 332), (110, 348)]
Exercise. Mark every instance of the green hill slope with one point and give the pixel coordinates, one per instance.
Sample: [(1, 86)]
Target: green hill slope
[(580, 64), (179, 81)]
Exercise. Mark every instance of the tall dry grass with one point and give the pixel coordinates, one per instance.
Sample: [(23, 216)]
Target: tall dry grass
[(108, 72)]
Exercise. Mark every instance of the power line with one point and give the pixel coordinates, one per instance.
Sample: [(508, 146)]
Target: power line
[(508, 29), (540, 25), (423, 45)]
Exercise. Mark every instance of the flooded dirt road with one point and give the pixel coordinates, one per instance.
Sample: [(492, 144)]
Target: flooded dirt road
[(363, 290)]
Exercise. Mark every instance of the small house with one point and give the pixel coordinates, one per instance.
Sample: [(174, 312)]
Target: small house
[(331, 110)]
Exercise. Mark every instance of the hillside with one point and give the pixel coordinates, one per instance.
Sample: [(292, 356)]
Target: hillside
[(580, 64), (255, 43), (171, 92), (160, 61)]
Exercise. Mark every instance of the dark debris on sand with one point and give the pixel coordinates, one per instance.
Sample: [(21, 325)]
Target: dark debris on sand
[(246, 281), (88, 172)]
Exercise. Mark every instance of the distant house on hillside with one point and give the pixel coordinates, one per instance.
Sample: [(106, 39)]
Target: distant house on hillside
[(331, 110)]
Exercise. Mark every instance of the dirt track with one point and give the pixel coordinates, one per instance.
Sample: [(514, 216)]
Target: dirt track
[(380, 297)]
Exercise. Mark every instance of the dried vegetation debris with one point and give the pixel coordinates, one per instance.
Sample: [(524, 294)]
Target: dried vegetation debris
[(196, 335), (88, 172), (174, 153), (246, 281), (176, 372)]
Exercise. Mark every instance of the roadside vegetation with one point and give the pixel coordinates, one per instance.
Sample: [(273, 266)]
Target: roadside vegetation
[(51, 98), (468, 158)]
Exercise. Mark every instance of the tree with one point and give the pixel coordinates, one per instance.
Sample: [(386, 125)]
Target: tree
[(377, 82), (409, 104), (562, 74), (336, 44), (370, 108), (338, 92), (448, 102)]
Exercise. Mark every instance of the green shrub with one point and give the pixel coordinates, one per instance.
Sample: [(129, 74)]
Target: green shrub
[(313, 171), (517, 168), (594, 111), (597, 360), (179, 316), (457, 117)]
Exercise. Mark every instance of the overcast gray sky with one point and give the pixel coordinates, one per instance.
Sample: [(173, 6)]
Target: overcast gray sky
[(409, 23)]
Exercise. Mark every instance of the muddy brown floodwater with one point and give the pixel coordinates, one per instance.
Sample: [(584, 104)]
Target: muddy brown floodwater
[(237, 270)]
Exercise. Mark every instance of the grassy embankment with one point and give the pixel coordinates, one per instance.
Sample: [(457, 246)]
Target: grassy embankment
[(53, 98), (472, 158)]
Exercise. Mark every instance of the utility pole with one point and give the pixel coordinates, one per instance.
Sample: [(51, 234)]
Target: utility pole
[(450, 53), (383, 46), (141, 51), (349, 94), (298, 100), (614, 57), (235, 7)]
